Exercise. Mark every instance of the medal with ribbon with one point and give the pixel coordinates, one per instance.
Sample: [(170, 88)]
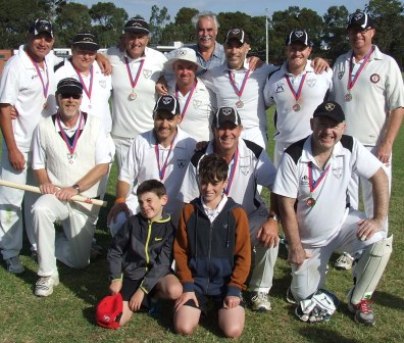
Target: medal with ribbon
[(45, 87), (133, 82), (232, 172), (162, 169), (88, 90), (296, 107), (188, 100), (71, 143), (239, 92), (352, 81), (311, 201)]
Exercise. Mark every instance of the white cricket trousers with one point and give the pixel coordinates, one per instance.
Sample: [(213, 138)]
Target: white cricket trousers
[(72, 246), (11, 200), (264, 259)]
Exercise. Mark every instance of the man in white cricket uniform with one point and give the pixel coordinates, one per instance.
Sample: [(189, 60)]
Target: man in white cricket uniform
[(249, 166), (296, 90), (27, 83), (369, 87), (69, 157), (162, 154), (235, 85), (136, 68), (193, 96), (316, 172), (96, 85)]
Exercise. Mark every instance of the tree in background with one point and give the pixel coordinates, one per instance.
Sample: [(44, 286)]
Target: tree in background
[(108, 22), (158, 20), (182, 28)]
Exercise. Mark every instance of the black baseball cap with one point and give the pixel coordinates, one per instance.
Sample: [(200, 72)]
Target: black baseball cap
[(85, 41), (330, 109), (226, 115), (167, 103), (137, 25), (360, 20), (69, 85), (298, 35), (41, 26), (238, 35)]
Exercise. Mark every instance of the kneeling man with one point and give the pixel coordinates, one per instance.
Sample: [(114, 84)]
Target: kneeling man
[(315, 173), (70, 156)]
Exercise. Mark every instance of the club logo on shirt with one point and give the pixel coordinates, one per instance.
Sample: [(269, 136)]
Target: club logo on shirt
[(147, 73), (103, 83), (374, 78), (279, 89), (196, 103), (181, 163), (340, 75), (337, 172), (311, 82), (304, 181)]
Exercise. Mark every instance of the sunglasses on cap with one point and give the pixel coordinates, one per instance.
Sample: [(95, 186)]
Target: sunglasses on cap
[(69, 95)]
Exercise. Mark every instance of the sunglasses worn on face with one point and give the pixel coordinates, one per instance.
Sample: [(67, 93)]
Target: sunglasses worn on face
[(68, 96)]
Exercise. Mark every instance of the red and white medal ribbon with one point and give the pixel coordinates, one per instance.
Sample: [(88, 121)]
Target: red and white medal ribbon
[(188, 100), (45, 87), (297, 94), (88, 90), (314, 184), (133, 82), (162, 169), (352, 81), (239, 92), (71, 147), (232, 172)]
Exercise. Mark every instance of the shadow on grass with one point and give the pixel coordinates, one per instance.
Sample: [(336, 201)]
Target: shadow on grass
[(388, 300), (319, 334)]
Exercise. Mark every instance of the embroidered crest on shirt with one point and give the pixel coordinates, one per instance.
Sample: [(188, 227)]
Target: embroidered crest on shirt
[(279, 89), (147, 73), (181, 162), (311, 82), (340, 75), (374, 78)]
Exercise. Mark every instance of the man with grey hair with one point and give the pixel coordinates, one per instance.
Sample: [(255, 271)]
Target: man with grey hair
[(136, 68)]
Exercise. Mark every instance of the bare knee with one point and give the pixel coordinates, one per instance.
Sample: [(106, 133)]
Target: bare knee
[(184, 328), (233, 331), (174, 291)]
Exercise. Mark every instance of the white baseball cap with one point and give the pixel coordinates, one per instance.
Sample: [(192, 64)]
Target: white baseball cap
[(183, 54)]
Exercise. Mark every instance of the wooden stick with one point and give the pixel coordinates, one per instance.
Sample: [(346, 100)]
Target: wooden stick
[(34, 189)]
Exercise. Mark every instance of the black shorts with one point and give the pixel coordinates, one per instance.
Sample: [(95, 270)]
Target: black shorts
[(209, 302), (129, 287)]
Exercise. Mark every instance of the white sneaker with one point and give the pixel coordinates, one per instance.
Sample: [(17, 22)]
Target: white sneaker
[(344, 262), (14, 265), (260, 302), (44, 285)]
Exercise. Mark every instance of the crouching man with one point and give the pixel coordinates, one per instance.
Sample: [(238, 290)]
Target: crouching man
[(70, 156), (316, 172)]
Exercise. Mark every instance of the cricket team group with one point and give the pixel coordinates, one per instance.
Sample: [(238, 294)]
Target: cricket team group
[(188, 132)]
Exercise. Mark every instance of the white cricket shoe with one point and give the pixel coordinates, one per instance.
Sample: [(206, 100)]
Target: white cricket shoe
[(344, 262), (260, 302), (44, 285)]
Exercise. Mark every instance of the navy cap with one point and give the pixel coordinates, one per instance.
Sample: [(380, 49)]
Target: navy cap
[(85, 41), (360, 20), (41, 26), (298, 35), (330, 109), (167, 103), (137, 25), (237, 34), (226, 115), (69, 85)]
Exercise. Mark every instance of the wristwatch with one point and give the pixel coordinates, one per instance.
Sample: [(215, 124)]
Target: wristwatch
[(77, 188)]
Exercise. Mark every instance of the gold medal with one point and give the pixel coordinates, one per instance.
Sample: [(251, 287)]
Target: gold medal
[(296, 107), (239, 104), (45, 105), (132, 96), (348, 97)]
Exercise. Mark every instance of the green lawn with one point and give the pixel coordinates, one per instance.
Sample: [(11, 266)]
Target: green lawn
[(68, 315)]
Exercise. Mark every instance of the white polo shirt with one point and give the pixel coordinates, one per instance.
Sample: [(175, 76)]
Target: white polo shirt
[(318, 224), (141, 164), (21, 86), (291, 125), (98, 104), (252, 168), (253, 111), (378, 90), (132, 117), (197, 116)]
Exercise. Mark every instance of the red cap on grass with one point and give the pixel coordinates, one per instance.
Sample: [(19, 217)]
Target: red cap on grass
[(109, 311)]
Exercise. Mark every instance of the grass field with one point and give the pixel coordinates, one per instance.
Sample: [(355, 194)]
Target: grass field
[(68, 315)]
